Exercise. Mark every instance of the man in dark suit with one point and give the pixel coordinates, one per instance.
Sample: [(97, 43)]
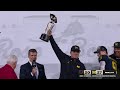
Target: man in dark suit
[(32, 69)]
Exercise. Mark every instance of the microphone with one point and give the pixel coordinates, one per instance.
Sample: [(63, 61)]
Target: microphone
[(34, 64)]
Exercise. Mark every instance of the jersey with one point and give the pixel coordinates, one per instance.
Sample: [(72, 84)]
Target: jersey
[(110, 63)]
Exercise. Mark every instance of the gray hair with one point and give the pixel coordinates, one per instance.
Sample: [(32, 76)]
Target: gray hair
[(12, 59)]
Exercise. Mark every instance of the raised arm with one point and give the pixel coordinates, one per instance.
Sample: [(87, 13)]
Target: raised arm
[(59, 53)]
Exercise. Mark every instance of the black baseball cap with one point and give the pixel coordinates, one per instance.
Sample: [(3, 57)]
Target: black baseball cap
[(101, 48), (116, 45), (75, 48)]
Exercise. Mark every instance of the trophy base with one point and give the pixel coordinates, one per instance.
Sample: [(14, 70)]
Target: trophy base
[(44, 37)]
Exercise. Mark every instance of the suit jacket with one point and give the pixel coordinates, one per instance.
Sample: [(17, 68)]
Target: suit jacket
[(26, 69), (7, 72)]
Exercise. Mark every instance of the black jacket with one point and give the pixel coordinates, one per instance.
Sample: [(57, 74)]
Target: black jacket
[(117, 59), (118, 64), (26, 69), (69, 67)]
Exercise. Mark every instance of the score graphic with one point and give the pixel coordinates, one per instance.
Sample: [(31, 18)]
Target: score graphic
[(87, 73), (97, 73), (94, 72)]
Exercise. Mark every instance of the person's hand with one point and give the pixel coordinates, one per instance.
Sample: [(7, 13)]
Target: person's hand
[(34, 71), (49, 32)]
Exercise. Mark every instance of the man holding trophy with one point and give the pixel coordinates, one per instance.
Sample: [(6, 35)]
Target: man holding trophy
[(70, 65)]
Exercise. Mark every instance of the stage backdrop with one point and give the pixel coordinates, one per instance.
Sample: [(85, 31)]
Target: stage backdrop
[(20, 31)]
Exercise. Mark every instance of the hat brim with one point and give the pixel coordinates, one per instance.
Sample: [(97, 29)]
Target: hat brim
[(96, 52), (75, 50), (116, 46)]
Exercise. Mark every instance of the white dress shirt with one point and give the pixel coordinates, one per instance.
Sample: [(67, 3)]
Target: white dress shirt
[(37, 70)]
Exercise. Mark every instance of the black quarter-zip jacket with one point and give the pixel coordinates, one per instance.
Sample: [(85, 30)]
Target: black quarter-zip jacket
[(69, 67)]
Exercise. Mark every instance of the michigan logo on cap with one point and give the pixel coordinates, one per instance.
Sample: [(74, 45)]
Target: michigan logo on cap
[(76, 47), (116, 44)]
